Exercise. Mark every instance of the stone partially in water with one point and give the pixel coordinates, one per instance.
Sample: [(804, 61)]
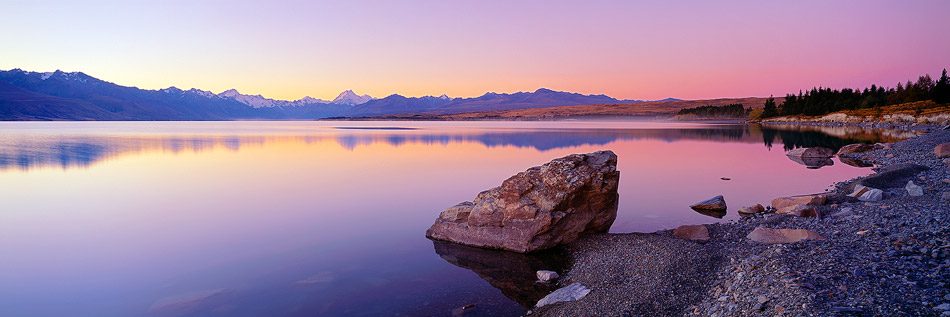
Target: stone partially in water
[(855, 148), (748, 211), (568, 293), (817, 152), (539, 208), (716, 204), (546, 276), (772, 236), (813, 199)]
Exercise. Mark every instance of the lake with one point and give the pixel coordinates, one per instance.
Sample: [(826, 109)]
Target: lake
[(328, 218)]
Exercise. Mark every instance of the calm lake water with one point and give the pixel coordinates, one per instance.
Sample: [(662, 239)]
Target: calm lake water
[(328, 218)]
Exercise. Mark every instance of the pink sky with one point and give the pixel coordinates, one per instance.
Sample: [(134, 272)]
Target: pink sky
[(625, 49)]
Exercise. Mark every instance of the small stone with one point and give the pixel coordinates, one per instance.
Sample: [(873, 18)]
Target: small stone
[(546, 276), (913, 189), (946, 180), (568, 293), (889, 156), (761, 299), (846, 211), (943, 307), (847, 309), (859, 273), (873, 194), (461, 311), (725, 178), (945, 196)]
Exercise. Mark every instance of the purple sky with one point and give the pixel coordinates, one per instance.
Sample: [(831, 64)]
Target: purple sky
[(626, 49)]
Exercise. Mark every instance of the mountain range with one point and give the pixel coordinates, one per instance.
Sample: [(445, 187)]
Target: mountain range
[(62, 95)]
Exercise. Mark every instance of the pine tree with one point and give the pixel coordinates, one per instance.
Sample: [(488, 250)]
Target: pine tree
[(941, 91), (769, 110)]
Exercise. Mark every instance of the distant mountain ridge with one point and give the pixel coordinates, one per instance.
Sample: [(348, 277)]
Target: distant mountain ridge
[(62, 95)]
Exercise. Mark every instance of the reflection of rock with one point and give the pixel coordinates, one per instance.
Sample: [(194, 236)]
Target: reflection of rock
[(812, 162), (515, 274), (539, 208), (854, 162)]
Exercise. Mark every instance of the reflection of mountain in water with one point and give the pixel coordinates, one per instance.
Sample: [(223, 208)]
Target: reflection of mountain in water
[(29, 151), (512, 273)]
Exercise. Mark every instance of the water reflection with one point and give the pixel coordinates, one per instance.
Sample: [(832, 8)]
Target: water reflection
[(512, 273), (26, 151)]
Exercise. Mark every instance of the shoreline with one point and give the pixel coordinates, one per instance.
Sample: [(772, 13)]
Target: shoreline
[(878, 258)]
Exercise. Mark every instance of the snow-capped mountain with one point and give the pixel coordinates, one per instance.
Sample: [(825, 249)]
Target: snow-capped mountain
[(348, 97), (257, 101)]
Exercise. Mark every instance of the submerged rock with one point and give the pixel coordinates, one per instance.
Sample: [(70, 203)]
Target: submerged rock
[(692, 232), (539, 208), (854, 162), (568, 293), (772, 236)]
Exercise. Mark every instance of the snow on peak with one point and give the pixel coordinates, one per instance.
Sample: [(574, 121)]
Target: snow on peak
[(348, 97), (45, 76), (444, 96), (230, 93)]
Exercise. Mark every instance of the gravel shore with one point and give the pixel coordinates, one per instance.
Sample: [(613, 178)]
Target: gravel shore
[(890, 257)]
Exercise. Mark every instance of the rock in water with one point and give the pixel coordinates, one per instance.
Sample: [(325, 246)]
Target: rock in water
[(539, 208), (811, 152), (914, 189), (565, 294), (771, 236), (546, 276), (855, 148), (715, 204)]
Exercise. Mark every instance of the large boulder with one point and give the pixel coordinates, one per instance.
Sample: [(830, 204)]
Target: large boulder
[(539, 208), (772, 236), (894, 176), (855, 148)]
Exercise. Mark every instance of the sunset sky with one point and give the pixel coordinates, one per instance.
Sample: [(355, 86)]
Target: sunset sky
[(625, 49)]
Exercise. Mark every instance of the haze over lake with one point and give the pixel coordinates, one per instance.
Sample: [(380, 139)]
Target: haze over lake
[(304, 218)]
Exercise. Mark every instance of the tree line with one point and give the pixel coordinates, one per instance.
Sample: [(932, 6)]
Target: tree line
[(819, 101), (735, 110)]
